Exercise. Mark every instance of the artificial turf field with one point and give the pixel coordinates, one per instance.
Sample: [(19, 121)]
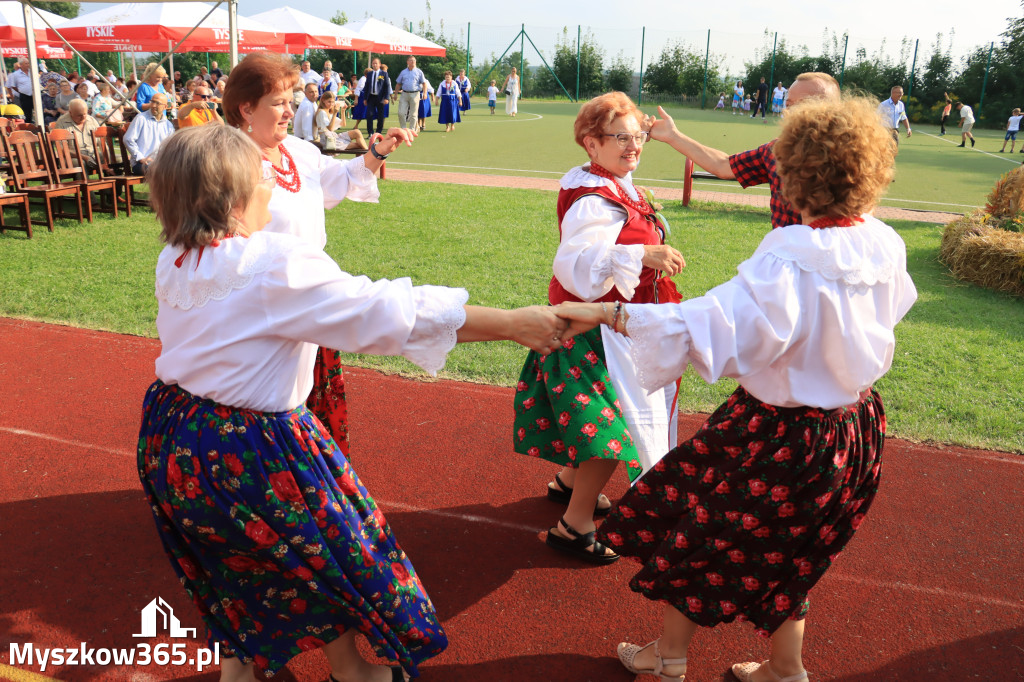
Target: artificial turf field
[(931, 172)]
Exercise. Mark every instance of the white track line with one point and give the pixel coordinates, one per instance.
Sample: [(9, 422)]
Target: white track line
[(974, 149), (507, 119), (474, 518)]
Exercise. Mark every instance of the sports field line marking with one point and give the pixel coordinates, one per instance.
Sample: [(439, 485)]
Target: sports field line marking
[(400, 164), (475, 518), (11, 674), (994, 156), (65, 441), (507, 119)]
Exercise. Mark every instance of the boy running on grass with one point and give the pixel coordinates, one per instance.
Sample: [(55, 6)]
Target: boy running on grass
[(1012, 128)]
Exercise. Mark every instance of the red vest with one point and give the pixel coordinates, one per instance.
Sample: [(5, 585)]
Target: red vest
[(638, 229)]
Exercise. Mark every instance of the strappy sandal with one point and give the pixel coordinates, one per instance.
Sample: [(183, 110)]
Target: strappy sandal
[(744, 671), (563, 494), (579, 545), (397, 675), (627, 654)]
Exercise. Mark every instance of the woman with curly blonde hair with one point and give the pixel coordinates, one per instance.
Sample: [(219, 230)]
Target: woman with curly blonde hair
[(744, 518)]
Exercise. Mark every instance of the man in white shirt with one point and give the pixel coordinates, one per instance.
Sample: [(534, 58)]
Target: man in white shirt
[(308, 75), (779, 99), (20, 85), (966, 124), (894, 112), (111, 78), (302, 126), (335, 78), (146, 132)]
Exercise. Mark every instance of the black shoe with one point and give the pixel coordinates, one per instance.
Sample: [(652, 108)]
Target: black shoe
[(972, 141), (961, 145)]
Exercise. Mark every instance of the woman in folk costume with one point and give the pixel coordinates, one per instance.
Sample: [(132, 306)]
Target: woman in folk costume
[(583, 407), (464, 88), (424, 107), (448, 99), (359, 91), (266, 524), (744, 518)]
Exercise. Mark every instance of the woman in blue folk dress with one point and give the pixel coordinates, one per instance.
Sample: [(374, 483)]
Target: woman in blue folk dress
[(464, 88), (265, 522), (424, 109), (359, 110), (449, 98)]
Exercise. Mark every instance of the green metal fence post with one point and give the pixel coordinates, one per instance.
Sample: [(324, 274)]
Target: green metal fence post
[(842, 69), (771, 78), (707, 55), (984, 83), (913, 65), (522, 46), (467, 50), (547, 66), (640, 88), (579, 34)]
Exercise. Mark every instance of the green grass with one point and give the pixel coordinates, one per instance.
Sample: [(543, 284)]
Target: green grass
[(956, 377), (931, 173)]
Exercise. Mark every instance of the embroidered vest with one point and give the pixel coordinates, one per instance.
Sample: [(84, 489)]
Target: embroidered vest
[(638, 229)]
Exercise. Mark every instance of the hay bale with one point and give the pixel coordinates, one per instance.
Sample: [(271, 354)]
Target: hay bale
[(987, 247)]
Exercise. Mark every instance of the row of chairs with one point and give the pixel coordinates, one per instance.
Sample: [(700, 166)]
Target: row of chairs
[(50, 166)]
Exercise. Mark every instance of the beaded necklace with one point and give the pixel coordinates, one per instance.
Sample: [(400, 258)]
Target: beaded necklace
[(292, 184), (641, 207), (828, 221)]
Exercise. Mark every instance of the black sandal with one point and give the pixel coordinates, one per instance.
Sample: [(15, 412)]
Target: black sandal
[(563, 493), (580, 545)]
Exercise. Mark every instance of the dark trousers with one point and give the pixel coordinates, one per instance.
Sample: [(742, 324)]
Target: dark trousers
[(26, 106), (759, 104), (374, 111), (942, 124)]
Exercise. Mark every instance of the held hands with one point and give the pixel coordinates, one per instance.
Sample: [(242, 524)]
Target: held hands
[(394, 139), (664, 258), (582, 317), (538, 328), (663, 129)]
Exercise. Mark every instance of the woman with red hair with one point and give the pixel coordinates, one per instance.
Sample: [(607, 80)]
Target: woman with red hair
[(583, 406)]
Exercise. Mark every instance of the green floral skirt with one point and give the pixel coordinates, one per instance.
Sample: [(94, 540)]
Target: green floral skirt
[(567, 410)]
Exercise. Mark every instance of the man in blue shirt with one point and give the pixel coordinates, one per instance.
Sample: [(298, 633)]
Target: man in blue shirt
[(412, 84), (146, 132), (894, 112)]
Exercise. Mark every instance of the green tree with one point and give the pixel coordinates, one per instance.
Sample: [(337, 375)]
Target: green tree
[(68, 10), (591, 67), (679, 70), (620, 75)]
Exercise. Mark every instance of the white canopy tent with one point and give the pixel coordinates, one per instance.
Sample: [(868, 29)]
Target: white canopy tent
[(388, 39), (28, 10), (307, 31)]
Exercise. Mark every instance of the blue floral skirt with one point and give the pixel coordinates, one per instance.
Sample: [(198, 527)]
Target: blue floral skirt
[(274, 537)]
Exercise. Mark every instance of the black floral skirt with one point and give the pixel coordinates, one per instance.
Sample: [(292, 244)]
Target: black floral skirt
[(743, 519)]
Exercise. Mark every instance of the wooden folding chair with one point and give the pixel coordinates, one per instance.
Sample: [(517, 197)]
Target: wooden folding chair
[(106, 141), (19, 199), (28, 165), (69, 168)]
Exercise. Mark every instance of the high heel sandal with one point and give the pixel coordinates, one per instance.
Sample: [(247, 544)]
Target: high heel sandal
[(744, 671), (627, 653)]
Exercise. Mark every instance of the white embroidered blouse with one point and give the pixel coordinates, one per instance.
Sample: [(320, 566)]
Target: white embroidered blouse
[(807, 320), (240, 323)]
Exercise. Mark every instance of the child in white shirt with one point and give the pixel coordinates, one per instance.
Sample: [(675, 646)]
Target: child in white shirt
[(492, 96), (1012, 128)]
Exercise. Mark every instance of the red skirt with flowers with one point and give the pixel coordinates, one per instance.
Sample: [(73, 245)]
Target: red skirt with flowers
[(273, 535), (327, 399), (743, 519)]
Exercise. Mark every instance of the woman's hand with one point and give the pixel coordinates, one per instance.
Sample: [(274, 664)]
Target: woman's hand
[(662, 130), (538, 328), (394, 139), (582, 317), (664, 258)]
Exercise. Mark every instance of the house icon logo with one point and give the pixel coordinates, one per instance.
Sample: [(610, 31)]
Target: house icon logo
[(158, 615)]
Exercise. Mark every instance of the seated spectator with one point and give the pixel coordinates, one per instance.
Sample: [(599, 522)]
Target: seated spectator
[(326, 122), (328, 84), (146, 132), (81, 125), (199, 110), (103, 104), (152, 83), (82, 91), (302, 126), (49, 97), (64, 96)]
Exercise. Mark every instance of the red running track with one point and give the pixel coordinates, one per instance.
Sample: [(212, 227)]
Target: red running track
[(931, 588)]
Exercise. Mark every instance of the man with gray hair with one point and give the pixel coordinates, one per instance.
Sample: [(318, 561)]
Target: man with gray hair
[(81, 125), (308, 75), (146, 132), (893, 112), (757, 166), (412, 85), (20, 86)]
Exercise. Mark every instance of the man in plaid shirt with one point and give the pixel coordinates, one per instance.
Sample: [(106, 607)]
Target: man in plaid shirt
[(757, 166)]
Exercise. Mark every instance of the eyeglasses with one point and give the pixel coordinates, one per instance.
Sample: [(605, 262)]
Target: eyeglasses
[(269, 175), (202, 96), (622, 139)]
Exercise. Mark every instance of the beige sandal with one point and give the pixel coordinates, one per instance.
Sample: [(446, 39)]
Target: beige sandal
[(627, 653), (743, 672)]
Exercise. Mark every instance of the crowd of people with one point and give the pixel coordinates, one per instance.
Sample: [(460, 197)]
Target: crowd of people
[(244, 452), (743, 102)]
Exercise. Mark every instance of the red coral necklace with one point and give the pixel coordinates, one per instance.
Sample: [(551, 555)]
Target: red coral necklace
[(641, 207), (829, 221), (288, 179)]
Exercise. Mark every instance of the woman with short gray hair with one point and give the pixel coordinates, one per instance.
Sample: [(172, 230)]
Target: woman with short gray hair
[(265, 522)]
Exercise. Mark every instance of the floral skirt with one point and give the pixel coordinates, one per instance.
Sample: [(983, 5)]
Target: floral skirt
[(274, 537), (567, 410), (743, 519), (327, 399)]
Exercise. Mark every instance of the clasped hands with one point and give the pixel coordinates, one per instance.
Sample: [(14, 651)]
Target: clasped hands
[(545, 328)]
